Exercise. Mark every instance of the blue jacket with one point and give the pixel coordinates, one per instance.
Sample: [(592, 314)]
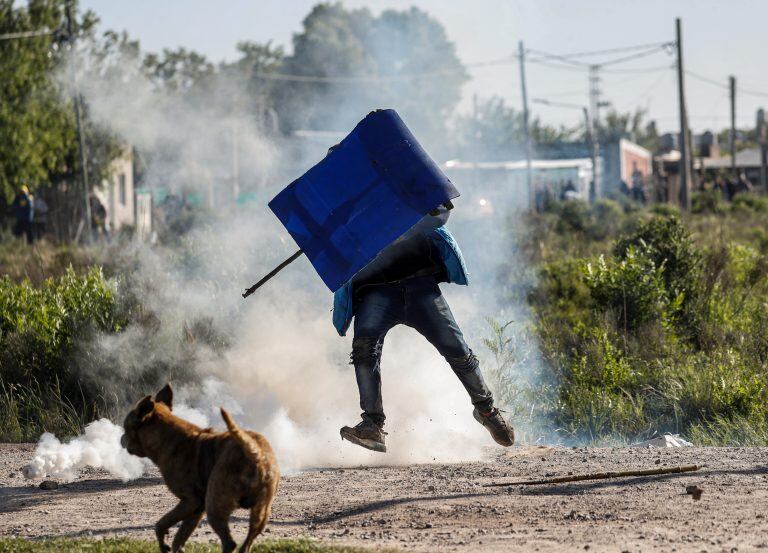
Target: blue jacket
[(450, 255)]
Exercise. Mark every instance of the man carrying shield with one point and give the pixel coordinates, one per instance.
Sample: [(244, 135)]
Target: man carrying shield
[(400, 286)]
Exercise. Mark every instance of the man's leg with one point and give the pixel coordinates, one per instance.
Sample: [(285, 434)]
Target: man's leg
[(375, 314), (427, 311)]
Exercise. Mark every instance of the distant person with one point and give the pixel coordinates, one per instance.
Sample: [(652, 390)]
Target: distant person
[(98, 218), (540, 194), (570, 193), (40, 222), (23, 209), (721, 186), (743, 184), (638, 186), (737, 186), (624, 188)]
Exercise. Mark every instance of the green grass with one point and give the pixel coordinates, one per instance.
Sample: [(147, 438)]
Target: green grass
[(121, 545)]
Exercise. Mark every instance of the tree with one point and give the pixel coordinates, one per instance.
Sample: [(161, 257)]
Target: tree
[(38, 142), (349, 62), (178, 70), (630, 125), (495, 131), (36, 128)]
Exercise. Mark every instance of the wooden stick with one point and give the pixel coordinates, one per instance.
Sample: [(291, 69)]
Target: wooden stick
[(598, 476), (272, 273)]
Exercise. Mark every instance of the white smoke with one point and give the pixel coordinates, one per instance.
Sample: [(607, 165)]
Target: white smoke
[(285, 372), (98, 447)]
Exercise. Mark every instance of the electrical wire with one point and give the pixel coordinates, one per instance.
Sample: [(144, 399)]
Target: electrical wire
[(707, 80), (638, 70), (647, 50), (609, 50), (650, 89), (752, 92), (624, 59), (722, 85)]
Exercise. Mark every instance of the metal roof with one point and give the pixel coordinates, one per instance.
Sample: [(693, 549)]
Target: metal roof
[(579, 163), (744, 158)]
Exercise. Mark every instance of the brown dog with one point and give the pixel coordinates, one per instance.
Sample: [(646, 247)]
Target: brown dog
[(211, 472)]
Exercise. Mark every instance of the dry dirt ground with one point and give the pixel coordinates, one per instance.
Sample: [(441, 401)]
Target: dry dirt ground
[(444, 507)]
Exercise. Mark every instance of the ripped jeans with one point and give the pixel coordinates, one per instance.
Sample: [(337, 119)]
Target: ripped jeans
[(417, 303)]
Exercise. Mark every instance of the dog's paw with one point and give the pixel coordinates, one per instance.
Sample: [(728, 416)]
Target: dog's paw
[(165, 548)]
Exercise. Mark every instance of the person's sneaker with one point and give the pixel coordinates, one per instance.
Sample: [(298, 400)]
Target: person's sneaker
[(501, 432), (365, 434)]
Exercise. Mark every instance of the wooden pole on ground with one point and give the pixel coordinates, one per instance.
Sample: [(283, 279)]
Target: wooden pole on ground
[(597, 476)]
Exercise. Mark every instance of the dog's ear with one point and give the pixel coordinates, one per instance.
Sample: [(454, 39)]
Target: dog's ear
[(165, 396), (144, 407)]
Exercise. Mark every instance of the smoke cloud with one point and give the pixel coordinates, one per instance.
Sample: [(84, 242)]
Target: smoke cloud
[(274, 361), (98, 447)]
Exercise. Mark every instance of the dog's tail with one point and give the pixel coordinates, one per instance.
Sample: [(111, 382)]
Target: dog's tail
[(241, 437)]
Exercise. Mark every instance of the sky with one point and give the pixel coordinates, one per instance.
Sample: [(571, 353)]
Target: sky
[(720, 38)]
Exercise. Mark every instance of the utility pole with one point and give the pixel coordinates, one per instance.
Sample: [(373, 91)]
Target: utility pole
[(78, 121), (685, 153), (762, 139), (732, 82), (594, 106), (589, 138), (526, 129)]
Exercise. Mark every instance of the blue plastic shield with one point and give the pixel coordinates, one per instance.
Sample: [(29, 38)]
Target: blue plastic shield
[(369, 190)]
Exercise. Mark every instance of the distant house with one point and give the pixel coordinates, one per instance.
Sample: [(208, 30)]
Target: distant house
[(503, 184), (117, 192), (747, 161), (625, 162)]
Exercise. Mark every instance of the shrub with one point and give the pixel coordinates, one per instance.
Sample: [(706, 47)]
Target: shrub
[(631, 288), (665, 210), (607, 220), (750, 202), (573, 216), (39, 331), (708, 201)]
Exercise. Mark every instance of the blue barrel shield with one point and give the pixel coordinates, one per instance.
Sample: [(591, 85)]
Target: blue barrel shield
[(368, 191)]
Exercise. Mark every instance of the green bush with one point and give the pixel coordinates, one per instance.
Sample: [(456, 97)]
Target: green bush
[(39, 331), (663, 330), (573, 216), (750, 202), (632, 288), (708, 201)]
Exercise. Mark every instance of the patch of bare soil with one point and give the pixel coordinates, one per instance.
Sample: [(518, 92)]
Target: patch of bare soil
[(445, 507)]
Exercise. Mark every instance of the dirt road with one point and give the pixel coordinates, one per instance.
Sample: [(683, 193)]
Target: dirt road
[(445, 507)]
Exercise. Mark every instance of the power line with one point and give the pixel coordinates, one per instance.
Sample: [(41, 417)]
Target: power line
[(624, 59), (607, 51), (653, 69), (722, 85), (539, 61), (356, 78), (647, 50), (753, 93), (707, 80), (650, 89)]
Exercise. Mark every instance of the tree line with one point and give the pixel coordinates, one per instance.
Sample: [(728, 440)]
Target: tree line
[(343, 63)]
